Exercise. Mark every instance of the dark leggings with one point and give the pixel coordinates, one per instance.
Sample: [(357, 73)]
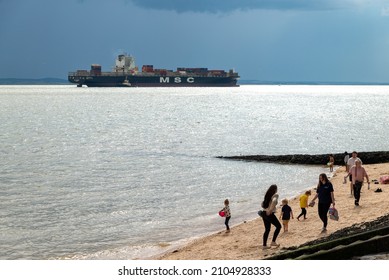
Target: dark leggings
[(357, 191), (323, 210), (268, 221), (303, 212), (226, 222)]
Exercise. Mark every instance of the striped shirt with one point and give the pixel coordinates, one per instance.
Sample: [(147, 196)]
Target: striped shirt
[(226, 210)]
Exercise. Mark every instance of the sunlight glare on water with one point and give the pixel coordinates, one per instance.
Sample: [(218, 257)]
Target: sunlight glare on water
[(112, 173)]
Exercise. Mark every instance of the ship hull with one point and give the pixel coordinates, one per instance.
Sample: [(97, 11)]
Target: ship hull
[(151, 81)]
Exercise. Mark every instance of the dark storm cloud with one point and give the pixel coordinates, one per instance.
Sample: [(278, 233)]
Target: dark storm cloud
[(214, 6)]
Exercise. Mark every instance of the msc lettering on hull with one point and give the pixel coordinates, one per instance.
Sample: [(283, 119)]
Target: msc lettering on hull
[(177, 80)]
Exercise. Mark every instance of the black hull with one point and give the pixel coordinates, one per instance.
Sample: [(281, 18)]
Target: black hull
[(152, 81)]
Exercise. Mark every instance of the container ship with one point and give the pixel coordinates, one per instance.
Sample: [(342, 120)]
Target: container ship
[(126, 74)]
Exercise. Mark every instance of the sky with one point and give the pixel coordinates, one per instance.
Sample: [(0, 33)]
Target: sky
[(264, 40)]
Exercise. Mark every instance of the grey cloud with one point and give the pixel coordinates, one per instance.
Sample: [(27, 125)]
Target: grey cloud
[(215, 6)]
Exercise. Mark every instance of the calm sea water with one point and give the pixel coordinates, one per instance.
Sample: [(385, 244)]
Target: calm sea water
[(90, 173)]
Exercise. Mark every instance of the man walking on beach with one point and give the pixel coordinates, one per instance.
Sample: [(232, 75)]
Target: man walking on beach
[(358, 173), (351, 163)]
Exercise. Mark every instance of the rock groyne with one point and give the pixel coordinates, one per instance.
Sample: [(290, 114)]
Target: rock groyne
[(321, 159)]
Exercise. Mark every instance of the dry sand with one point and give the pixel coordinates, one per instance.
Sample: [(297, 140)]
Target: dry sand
[(244, 242)]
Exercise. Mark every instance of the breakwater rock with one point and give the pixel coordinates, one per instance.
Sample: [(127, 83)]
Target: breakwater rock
[(322, 159), (345, 244)]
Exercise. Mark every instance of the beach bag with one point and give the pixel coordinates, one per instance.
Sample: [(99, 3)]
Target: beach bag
[(222, 213), (334, 215)]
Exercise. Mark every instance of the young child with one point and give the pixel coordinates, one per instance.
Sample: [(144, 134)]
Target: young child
[(304, 205), (227, 212), (286, 213)]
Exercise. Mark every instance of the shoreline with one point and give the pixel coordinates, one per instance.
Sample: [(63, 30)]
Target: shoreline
[(245, 239)]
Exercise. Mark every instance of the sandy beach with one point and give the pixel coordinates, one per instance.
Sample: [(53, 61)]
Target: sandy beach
[(244, 242)]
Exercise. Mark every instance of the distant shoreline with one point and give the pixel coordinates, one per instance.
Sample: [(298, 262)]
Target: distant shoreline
[(43, 81), (58, 81), (307, 83)]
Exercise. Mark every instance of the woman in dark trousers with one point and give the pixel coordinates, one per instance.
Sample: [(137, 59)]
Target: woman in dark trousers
[(325, 193), (269, 208)]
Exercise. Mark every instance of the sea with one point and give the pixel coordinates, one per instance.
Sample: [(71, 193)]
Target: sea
[(129, 173)]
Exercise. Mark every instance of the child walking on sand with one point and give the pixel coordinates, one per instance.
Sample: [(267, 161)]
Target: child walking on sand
[(227, 212), (304, 205), (286, 213)]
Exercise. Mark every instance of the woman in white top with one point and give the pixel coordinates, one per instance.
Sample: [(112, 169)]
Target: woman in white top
[(269, 205)]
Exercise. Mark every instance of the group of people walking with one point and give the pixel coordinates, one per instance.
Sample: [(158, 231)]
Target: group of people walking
[(324, 194)]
